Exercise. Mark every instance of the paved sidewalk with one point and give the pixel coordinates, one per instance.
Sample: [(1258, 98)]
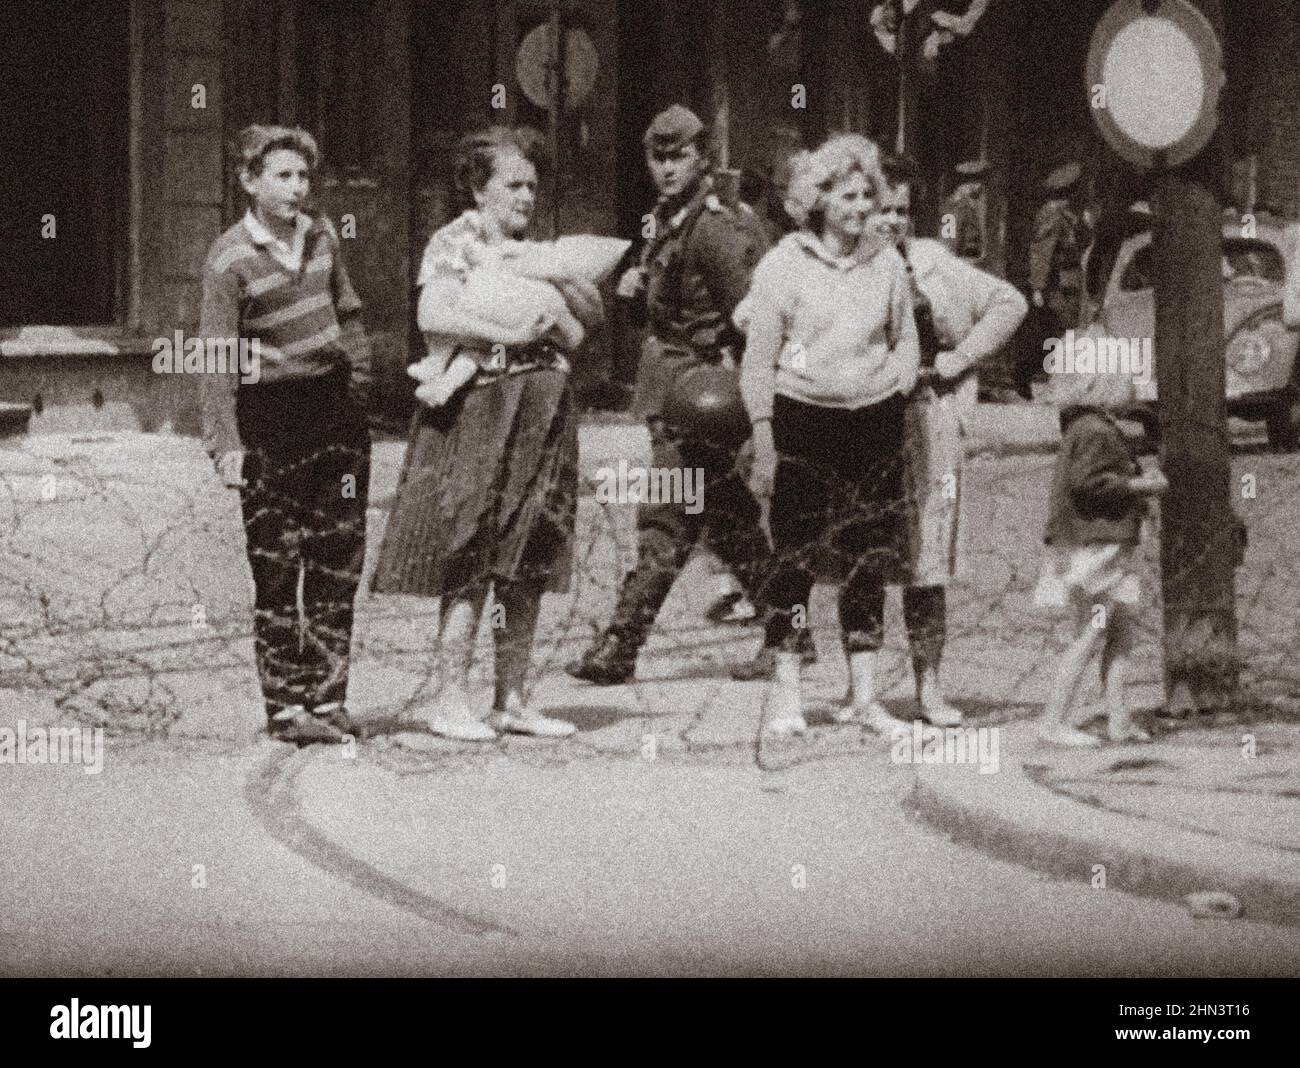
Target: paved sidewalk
[(1202, 810), (114, 541)]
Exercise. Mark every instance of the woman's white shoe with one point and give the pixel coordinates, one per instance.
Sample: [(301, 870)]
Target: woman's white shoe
[(460, 728), (939, 713), (783, 715), (874, 716), (531, 723), (1060, 734), (785, 726)]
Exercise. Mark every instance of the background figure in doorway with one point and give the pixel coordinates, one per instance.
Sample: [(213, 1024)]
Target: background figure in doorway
[(964, 218), (964, 315), (1062, 234)]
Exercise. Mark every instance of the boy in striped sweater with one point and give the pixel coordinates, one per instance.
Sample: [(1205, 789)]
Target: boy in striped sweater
[(294, 440)]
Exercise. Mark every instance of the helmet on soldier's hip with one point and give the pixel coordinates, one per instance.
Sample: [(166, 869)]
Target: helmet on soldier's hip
[(704, 402)]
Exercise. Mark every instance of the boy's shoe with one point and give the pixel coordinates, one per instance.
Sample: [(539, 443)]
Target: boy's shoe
[(297, 726), (609, 662), (763, 664), (337, 714), (531, 723)]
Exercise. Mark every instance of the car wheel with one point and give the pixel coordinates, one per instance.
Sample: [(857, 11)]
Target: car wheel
[(1281, 426)]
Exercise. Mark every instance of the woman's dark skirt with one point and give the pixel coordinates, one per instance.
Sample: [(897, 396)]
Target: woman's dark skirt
[(488, 490), (841, 502)]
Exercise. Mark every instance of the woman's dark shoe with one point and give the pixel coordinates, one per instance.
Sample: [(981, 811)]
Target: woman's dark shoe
[(297, 726), (609, 662), (763, 665)]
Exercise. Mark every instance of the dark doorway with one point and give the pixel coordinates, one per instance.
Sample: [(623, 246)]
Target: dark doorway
[(1051, 122), (638, 58), (661, 61), (64, 78)]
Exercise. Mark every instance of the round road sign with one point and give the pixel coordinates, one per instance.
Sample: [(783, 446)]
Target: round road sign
[(537, 53), (1155, 69)]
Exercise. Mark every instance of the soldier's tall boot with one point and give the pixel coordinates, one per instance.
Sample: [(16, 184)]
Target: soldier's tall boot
[(609, 661), (611, 658)]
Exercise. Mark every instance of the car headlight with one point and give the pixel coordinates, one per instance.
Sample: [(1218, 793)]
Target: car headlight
[(1249, 352)]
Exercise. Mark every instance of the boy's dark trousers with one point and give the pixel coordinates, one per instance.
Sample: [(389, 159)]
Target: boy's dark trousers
[(307, 475)]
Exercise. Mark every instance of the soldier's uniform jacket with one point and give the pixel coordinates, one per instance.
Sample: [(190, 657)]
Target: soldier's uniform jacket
[(698, 265), (1056, 255)]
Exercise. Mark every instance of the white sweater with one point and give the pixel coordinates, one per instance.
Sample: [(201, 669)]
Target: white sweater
[(832, 331)]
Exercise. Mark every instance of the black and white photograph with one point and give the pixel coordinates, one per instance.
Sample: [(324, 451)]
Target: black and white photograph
[(651, 488)]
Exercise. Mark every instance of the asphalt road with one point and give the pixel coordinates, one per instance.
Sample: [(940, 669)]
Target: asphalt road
[(276, 862)]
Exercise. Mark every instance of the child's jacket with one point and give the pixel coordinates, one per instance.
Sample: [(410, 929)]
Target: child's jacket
[(1091, 501)]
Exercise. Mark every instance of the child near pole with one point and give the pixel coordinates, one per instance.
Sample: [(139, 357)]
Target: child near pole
[(1098, 498)]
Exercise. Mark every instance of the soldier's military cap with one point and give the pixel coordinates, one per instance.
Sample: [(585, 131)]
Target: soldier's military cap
[(1063, 177), (973, 168), (672, 129)]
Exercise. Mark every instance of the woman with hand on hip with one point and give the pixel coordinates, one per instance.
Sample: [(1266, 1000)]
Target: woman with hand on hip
[(487, 496), (963, 315), (830, 359)]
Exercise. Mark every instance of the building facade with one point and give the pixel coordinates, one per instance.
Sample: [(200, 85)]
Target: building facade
[(117, 179)]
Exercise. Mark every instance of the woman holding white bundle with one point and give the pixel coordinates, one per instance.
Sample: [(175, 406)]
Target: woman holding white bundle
[(487, 496)]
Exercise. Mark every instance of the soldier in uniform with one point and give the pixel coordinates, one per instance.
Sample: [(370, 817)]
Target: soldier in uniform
[(693, 271), (965, 213), (1062, 233)]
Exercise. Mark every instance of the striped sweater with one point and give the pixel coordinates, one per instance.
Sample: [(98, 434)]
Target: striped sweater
[(307, 320)]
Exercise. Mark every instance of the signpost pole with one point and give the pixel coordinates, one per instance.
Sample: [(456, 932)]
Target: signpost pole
[(557, 109), (1198, 542), (1141, 111)]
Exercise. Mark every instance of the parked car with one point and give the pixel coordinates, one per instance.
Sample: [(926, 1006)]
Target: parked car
[(1262, 378)]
